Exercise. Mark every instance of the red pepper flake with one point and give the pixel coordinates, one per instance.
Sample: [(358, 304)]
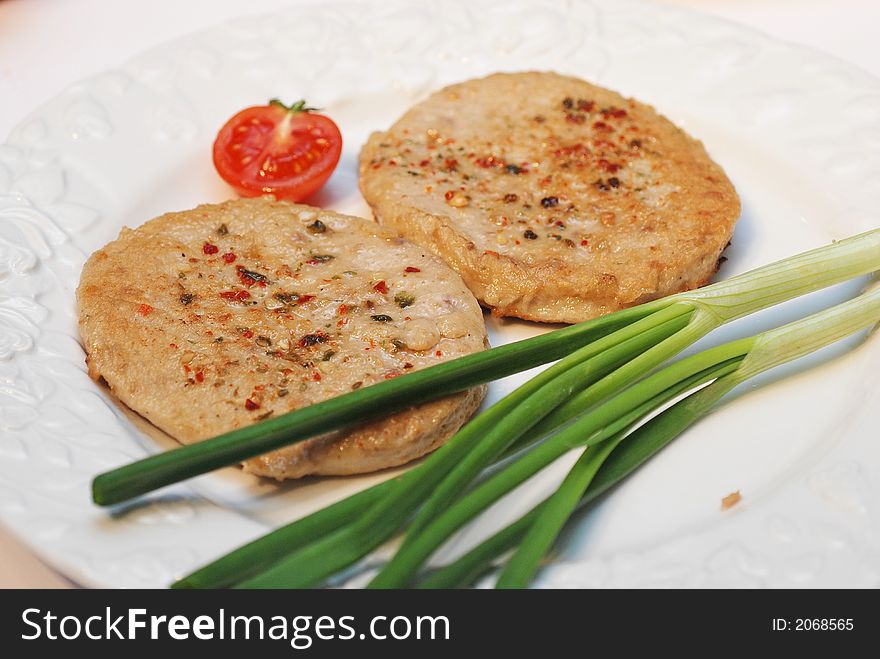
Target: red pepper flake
[(208, 248), (617, 113), (248, 334), (200, 377), (585, 106), (250, 278), (573, 118), (145, 310), (491, 161), (392, 163), (342, 309), (606, 166), (576, 150), (424, 163), (316, 376), (381, 287), (172, 345), (438, 354), (449, 194), (235, 296), (251, 405), (229, 257), (450, 165), (410, 268), (407, 366), (392, 375), (585, 243), (601, 125), (302, 299)]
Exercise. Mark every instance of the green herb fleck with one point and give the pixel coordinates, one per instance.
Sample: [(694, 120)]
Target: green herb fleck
[(404, 299)]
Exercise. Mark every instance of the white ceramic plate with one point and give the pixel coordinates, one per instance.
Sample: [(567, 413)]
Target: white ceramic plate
[(798, 133)]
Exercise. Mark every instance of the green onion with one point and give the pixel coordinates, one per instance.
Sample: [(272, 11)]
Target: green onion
[(716, 304), (592, 475), (501, 426)]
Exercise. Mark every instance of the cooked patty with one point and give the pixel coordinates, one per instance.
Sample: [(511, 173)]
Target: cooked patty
[(211, 319), (555, 200)]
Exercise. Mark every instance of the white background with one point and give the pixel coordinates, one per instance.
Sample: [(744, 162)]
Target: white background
[(46, 45)]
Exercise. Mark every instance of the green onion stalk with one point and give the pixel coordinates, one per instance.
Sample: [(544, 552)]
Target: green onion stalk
[(623, 348)]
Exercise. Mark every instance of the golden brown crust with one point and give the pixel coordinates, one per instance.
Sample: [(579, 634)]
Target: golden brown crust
[(555, 200), (207, 320)]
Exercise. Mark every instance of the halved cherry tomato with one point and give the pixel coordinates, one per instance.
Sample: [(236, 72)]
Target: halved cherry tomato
[(288, 151)]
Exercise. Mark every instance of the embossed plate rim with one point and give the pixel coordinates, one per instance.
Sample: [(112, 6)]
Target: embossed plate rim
[(58, 194)]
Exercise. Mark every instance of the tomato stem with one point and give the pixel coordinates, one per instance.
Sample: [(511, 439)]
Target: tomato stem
[(299, 106)]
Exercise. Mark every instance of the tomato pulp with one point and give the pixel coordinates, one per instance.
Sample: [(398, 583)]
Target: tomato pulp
[(287, 151)]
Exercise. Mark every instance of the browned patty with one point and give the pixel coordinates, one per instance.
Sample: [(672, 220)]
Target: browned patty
[(211, 319), (555, 200)]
